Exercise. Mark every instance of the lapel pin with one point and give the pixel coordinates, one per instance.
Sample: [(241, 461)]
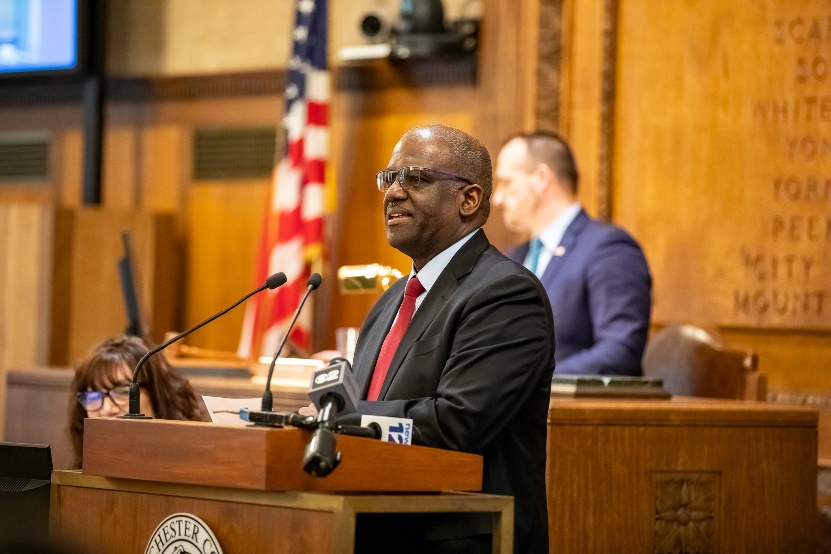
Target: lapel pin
[(560, 251)]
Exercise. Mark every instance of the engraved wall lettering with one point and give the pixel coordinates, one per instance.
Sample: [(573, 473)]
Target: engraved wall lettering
[(772, 267), (800, 109), (785, 275), (800, 228), (808, 148), (802, 30), (787, 303)]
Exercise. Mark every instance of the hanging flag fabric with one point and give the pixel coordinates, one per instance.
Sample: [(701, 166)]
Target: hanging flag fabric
[(292, 235)]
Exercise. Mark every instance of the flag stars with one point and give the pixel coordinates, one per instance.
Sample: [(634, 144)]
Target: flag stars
[(296, 196), (300, 34)]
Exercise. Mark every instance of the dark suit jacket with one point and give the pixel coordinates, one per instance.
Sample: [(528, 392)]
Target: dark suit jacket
[(473, 372), (601, 295)]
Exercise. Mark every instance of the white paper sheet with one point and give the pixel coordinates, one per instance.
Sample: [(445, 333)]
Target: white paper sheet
[(226, 410)]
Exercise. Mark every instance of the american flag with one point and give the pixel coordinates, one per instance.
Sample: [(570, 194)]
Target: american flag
[(292, 234)]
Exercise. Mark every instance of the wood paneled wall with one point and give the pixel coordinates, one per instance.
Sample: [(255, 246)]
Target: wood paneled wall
[(148, 152), (721, 157), (25, 265), (87, 305)]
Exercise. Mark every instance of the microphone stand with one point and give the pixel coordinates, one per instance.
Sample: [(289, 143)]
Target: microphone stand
[(274, 281), (333, 394), (268, 399)]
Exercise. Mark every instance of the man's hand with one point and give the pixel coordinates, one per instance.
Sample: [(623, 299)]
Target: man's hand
[(307, 411), (326, 355)]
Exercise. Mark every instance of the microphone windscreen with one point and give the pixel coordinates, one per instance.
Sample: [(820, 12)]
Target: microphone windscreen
[(314, 281), (276, 280), (335, 379)]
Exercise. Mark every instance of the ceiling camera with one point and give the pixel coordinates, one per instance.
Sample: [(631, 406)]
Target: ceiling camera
[(375, 27)]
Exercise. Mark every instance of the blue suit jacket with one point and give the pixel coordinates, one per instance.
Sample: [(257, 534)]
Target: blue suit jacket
[(601, 295)]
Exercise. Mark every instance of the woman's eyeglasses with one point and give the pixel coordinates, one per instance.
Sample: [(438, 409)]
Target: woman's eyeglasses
[(412, 178), (94, 400)]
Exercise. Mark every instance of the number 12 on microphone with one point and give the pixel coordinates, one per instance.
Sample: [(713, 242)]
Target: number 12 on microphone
[(393, 429)]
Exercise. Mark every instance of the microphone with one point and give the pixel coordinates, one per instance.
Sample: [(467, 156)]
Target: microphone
[(277, 419), (268, 399), (274, 281), (333, 390)]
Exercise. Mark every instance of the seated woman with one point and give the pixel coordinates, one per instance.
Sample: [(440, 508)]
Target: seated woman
[(101, 385)]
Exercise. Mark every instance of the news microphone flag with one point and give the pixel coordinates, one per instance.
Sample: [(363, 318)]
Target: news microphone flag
[(292, 235)]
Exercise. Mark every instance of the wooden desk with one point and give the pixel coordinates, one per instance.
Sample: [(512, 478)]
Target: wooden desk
[(648, 476), (608, 462), (819, 400), (38, 400)]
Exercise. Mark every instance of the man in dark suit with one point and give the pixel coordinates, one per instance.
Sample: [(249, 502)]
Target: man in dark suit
[(595, 273), (473, 366)]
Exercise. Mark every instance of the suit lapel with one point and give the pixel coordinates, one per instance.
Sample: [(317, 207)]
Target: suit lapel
[(566, 245), (460, 266), (365, 360)]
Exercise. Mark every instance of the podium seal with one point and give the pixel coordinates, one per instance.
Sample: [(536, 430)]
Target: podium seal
[(183, 534)]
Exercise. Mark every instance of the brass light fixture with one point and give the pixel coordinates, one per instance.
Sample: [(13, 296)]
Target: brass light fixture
[(366, 279)]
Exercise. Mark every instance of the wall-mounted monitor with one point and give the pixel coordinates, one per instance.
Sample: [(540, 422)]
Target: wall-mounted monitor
[(43, 38)]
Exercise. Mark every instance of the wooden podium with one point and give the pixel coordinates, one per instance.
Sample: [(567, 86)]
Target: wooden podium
[(248, 486)]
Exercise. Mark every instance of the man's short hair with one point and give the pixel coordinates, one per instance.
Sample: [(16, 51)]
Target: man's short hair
[(471, 155), (551, 149)]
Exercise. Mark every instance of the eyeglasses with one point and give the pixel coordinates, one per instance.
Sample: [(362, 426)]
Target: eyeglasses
[(413, 178), (94, 400)]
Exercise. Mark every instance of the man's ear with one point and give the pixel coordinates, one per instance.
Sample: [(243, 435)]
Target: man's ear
[(470, 198), (544, 177)]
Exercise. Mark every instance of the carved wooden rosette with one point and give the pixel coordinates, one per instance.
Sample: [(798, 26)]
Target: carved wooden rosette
[(686, 512)]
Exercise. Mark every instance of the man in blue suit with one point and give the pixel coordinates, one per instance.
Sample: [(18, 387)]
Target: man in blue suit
[(595, 274)]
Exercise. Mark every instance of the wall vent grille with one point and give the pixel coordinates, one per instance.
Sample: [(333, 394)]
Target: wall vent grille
[(24, 157), (233, 153)]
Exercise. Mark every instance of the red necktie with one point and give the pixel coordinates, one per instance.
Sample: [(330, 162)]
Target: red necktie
[(405, 313)]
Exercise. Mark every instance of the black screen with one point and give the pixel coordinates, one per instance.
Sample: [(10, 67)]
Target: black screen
[(25, 476)]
